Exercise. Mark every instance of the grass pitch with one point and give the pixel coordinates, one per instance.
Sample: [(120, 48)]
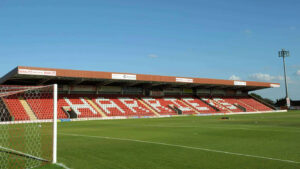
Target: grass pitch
[(256, 141)]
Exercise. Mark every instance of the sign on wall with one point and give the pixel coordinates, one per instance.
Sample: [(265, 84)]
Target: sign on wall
[(184, 80), (36, 72), (240, 83), (274, 85), (123, 76)]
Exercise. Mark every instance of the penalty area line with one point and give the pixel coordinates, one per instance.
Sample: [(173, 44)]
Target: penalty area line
[(182, 146), (62, 165)]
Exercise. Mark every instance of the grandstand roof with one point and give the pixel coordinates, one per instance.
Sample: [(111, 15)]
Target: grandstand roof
[(23, 75)]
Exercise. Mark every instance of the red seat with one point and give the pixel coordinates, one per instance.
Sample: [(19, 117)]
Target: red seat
[(255, 104), (16, 109), (197, 104), (117, 105), (114, 105)]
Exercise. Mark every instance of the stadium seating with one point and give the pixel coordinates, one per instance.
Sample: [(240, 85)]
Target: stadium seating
[(122, 106), (166, 105), (16, 109), (228, 103), (255, 104), (214, 102), (198, 105), (236, 100), (90, 106), (157, 106), (78, 104), (37, 105)]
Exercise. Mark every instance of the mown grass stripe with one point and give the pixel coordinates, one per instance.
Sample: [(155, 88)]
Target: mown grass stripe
[(182, 146)]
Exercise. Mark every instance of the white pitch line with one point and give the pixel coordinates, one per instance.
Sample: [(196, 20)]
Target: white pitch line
[(225, 127), (182, 146), (220, 127), (62, 165)]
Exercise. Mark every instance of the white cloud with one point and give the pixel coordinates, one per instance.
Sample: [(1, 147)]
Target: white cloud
[(298, 72), (266, 77), (234, 77), (152, 55)]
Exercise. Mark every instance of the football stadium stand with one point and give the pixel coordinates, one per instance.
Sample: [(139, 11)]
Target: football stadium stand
[(90, 94)]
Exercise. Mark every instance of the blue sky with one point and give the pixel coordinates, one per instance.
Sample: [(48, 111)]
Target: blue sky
[(230, 39)]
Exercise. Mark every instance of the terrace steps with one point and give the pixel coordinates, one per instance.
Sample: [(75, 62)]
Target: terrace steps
[(183, 102), (146, 105), (251, 107), (95, 107), (27, 108), (221, 105)]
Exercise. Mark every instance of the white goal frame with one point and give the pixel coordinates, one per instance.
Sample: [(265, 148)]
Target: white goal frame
[(54, 124), (54, 91)]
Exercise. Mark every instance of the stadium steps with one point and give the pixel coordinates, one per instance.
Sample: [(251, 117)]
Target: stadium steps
[(254, 103), (66, 109), (214, 107), (240, 107), (200, 103), (183, 102), (15, 108), (246, 105), (205, 102), (146, 105), (231, 104), (175, 109), (262, 102), (95, 107), (5, 114), (27, 108), (216, 102)]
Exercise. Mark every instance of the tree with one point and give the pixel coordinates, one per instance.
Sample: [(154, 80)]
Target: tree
[(280, 102), (267, 100)]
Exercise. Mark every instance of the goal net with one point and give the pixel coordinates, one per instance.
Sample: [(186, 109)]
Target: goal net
[(27, 126)]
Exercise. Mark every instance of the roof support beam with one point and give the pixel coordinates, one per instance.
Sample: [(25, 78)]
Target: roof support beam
[(107, 83), (158, 84), (77, 82), (43, 81), (133, 84)]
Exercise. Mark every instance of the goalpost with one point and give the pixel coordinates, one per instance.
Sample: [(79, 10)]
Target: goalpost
[(28, 126)]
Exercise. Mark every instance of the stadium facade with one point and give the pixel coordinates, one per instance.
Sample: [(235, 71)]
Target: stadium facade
[(106, 95)]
